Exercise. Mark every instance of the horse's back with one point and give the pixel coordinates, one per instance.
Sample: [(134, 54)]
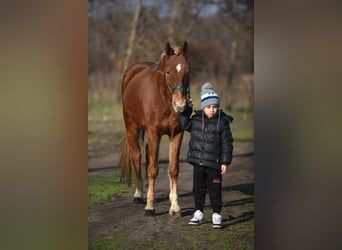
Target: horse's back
[(136, 72), (140, 94)]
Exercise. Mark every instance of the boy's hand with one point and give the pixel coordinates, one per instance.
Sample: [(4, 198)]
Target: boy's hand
[(224, 169), (190, 102)]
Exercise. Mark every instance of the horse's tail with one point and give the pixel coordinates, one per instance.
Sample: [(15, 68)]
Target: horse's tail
[(126, 162)]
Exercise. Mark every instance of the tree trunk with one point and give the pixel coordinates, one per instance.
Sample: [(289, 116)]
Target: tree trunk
[(132, 35), (231, 71), (171, 28)]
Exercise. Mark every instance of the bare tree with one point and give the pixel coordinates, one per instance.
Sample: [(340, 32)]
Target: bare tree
[(171, 25), (132, 35)]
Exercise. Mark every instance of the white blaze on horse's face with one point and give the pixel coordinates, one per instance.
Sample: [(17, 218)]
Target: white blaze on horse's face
[(176, 71), (178, 98), (179, 67)]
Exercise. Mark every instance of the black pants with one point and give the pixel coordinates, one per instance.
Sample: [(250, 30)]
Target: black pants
[(207, 179)]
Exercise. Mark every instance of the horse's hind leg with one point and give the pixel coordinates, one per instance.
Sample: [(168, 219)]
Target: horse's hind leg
[(133, 140), (175, 144)]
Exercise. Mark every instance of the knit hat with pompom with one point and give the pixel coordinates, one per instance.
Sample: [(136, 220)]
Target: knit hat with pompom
[(209, 96)]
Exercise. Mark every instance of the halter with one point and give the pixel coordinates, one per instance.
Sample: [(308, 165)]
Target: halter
[(172, 89)]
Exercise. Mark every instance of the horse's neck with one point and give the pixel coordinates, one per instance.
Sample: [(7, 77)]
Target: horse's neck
[(160, 65), (159, 70)]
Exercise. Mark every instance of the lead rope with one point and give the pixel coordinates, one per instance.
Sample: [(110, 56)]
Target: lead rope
[(202, 121), (188, 92)]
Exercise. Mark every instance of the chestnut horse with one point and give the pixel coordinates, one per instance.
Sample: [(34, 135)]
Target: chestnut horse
[(153, 94)]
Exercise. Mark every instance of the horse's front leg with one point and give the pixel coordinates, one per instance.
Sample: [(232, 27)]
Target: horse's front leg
[(152, 170), (175, 144)]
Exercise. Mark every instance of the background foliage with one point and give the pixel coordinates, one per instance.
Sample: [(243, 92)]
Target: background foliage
[(219, 33)]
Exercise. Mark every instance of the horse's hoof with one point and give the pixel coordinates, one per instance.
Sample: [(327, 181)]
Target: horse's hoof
[(149, 212), (138, 200), (175, 213)]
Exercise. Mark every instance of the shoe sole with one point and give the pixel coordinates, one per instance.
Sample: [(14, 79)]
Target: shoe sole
[(217, 226), (195, 223)]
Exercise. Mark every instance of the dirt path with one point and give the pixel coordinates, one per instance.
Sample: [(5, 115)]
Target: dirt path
[(124, 221)]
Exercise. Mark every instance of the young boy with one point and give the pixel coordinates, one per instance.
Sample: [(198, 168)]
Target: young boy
[(210, 152)]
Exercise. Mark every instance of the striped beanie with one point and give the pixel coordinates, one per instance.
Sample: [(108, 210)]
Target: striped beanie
[(209, 96)]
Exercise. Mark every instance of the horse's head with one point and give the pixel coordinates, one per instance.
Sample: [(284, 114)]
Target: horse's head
[(176, 70)]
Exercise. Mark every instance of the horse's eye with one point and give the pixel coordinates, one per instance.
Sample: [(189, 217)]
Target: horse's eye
[(167, 73)]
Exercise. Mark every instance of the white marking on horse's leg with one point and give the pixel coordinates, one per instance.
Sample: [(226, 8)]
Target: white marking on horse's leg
[(138, 193), (150, 198), (152, 169), (150, 193), (175, 143), (173, 197)]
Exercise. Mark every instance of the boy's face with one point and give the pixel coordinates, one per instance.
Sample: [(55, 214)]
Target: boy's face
[(210, 110)]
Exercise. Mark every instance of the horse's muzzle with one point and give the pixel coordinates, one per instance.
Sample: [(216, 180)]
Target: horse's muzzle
[(178, 107)]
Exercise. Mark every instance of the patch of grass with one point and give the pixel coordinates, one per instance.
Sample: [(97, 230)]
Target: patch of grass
[(105, 111), (104, 187), (240, 115), (104, 107), (117, 241), (105, 129), (244, 134), (247, 134), (105, 244)]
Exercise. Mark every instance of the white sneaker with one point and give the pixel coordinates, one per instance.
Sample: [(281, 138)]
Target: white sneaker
[(197, 219), (217, 220)]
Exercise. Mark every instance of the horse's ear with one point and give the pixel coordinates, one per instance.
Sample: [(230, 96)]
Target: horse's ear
[(185, 48), (168, 49)]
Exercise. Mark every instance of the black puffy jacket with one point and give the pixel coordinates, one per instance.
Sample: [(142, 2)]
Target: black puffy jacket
[(211, 142)]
